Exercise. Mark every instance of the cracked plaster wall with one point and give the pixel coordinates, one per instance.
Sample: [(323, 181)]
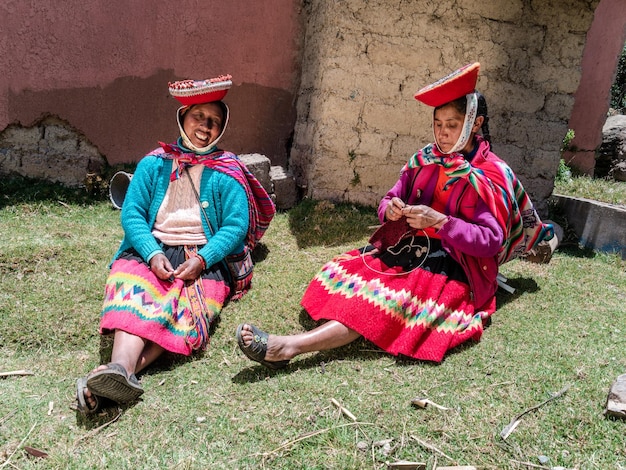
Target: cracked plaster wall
[(358, 122), (51, 150)]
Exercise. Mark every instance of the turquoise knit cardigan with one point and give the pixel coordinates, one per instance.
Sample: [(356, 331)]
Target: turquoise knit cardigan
[(223, 198)]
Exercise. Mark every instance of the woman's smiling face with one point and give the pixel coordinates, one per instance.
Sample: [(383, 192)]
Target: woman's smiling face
[(203, 123)]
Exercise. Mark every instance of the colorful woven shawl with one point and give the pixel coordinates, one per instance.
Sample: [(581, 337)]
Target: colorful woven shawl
[(504, 195), (261, 208)]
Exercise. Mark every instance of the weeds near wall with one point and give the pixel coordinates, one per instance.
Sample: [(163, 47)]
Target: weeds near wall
[(564, 172), (356, 178)]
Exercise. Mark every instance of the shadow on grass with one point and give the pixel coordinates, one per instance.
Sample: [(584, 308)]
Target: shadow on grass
[(570, 245), (360, 349), (260, 252), (576, 250), (166, 362), (322, 223), (364, 350), (21, 190), (521, 285), (109, 412)]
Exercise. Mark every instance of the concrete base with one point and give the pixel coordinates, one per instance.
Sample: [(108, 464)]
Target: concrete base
[(599, 226), (616, 401)]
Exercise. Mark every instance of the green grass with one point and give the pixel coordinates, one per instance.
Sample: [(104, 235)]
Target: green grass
[(603, 190), (564, 326)]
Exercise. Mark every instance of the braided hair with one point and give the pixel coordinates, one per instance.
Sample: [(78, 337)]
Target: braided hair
[(482, 111)]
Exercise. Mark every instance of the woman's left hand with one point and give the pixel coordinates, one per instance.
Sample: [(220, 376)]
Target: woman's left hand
[(422, 216), (190, 270)]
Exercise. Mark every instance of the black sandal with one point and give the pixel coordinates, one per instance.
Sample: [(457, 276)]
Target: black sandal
[(115, 384), (257, 349)]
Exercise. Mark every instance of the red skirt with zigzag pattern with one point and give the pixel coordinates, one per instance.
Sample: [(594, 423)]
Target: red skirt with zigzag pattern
[(139, 303), (421, 314)]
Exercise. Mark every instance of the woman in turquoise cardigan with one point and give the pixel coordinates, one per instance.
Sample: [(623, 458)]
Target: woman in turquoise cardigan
[(187, 207)]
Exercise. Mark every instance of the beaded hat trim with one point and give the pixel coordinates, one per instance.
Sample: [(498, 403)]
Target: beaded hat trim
[(190, 92)]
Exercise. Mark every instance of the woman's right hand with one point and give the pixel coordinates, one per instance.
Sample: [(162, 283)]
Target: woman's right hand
[(161, 267), (394, 209)]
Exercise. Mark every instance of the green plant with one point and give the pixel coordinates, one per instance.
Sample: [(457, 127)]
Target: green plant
[(351, 156), (356, 177), (567, 141), (564, 173), (602, 190)]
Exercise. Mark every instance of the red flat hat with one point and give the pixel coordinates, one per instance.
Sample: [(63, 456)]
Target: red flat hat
[(190, 92), (459, 83)]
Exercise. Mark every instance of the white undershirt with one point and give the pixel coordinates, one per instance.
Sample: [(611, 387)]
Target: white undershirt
[(178, 220)]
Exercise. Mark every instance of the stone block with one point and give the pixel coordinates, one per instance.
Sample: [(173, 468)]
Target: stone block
[(259, 166), (52, 151), (616, 401), (285, 190)]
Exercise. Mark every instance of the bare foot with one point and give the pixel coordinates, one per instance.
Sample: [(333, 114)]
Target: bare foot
[(86, 402), (96, 369), (90, 401)]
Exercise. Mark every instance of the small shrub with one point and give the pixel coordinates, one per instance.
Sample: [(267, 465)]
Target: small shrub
[(564, 173)]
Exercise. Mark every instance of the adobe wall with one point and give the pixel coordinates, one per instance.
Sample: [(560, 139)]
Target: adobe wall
[(357, 121), (100, 70)]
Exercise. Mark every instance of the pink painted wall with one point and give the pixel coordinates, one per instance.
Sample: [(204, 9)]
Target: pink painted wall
[(605, 41), (103, 66)]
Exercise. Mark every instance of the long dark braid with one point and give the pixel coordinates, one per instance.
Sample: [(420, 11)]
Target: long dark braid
[(482, 111)]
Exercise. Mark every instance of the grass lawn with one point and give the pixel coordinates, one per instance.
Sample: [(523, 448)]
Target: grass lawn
[(563, 327), (597, 189)]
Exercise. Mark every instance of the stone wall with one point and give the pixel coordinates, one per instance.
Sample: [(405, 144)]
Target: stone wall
[(357, 120), (51, 150)]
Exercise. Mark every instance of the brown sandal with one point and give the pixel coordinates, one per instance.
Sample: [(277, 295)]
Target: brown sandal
[(257, 349)]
